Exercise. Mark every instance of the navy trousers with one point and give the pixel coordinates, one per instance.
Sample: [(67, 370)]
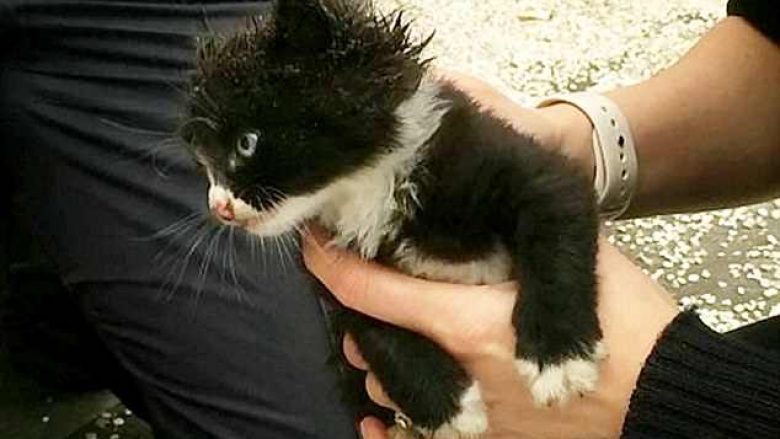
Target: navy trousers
[(215, 336)]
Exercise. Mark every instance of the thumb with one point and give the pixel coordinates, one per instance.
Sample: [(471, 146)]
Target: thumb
[(372, 428)]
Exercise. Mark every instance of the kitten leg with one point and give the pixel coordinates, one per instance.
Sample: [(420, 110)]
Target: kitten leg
[(427, 384), (555, 316)]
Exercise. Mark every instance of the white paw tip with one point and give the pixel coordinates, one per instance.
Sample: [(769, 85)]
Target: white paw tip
[(555, 384), (470, 423)]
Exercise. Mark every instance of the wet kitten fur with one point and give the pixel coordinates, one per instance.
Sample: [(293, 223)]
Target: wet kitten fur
[(325, 111)]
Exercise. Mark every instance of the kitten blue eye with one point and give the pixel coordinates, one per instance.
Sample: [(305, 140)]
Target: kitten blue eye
[(247, 144)]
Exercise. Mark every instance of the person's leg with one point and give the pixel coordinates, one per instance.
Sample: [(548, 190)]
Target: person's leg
[(213, 361), (91, 96)]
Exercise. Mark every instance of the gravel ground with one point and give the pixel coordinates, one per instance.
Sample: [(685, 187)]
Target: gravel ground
[(727, 262)]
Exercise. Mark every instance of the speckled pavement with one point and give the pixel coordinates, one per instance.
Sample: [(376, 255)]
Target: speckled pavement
[(728, 261)]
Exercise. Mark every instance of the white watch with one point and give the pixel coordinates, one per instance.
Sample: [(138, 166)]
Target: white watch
[(614, 152)]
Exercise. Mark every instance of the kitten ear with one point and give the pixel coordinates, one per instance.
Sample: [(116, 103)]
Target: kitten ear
[(303, 24)]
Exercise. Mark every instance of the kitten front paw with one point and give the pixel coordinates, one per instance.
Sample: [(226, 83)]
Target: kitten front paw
[(555, 383), (470, 422)]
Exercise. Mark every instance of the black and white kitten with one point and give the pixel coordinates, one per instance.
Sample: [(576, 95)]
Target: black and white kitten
[(325, 111)]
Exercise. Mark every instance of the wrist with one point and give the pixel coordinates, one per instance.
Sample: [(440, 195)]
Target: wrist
[(633, 311), (614, 152), (572, 135)]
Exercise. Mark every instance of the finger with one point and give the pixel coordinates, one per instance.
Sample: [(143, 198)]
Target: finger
[(381, 292), (372, 428), (377, 393), (352, 353), (450, 314), (465, 81)]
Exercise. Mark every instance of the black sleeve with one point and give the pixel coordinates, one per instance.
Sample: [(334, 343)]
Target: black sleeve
[(5, 30), (7, 27), (763, 14), (700, 384)]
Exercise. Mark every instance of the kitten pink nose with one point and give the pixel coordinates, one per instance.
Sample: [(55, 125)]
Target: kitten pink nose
[(223, 209)]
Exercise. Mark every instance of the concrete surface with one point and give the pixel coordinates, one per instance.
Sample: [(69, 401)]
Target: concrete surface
[(30, 410)]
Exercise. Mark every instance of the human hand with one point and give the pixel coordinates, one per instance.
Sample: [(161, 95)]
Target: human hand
[(559, 127), (473, 323)]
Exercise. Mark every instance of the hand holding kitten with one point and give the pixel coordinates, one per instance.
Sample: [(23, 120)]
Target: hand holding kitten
[(473, 324), (558, 127)]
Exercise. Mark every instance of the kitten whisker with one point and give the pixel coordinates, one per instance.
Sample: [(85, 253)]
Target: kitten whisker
[(209, 104), (178, 88), (211, 124), (224, 264), (175, 228), (204, 21), (151, 150), (173, 144), (207, 107), (252, 249), (181, 268), (174, 233), (286, 239), (264, 251), (302, 229), (274, 192), (186, 95), (208, 255), (131, 129), (280, 258), (232, 261), (207, 111)]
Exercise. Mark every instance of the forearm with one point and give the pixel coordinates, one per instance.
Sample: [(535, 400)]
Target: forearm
[(707, 129)]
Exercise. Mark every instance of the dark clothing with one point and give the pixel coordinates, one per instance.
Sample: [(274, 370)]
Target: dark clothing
[(763, 14), (700, 384), (91, 93)]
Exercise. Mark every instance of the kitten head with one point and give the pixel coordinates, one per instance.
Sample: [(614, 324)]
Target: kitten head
[(295, 101)]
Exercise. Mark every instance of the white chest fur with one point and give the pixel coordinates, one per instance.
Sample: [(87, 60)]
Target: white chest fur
[(361, 207)]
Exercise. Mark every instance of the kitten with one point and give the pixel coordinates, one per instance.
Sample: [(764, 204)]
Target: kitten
[(325, 111)]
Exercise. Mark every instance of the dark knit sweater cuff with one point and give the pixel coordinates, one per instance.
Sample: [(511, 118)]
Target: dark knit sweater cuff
[(762, 14), (698, 384)]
